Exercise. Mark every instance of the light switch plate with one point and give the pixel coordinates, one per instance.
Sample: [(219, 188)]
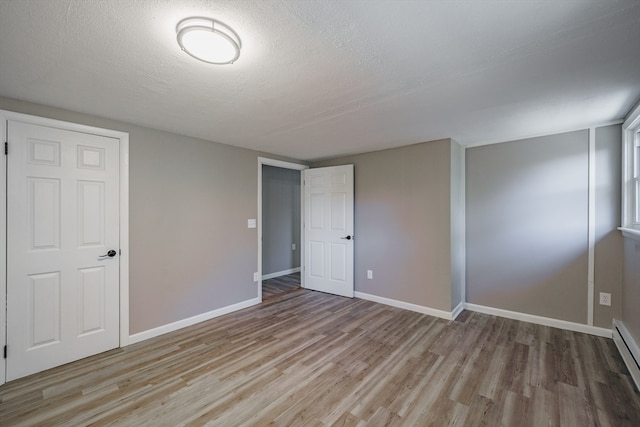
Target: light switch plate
[(255, 276), (251, 223), (369, 274)]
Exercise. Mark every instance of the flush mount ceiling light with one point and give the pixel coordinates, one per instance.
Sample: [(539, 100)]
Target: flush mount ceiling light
[(208, 40)]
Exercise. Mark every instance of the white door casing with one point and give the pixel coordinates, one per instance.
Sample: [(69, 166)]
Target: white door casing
[(63, 299), (3, 249), (328, 229), (285, 165)]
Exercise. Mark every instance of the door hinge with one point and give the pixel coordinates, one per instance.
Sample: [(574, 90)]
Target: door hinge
[(5, 351), (119, 251), (6, 148)]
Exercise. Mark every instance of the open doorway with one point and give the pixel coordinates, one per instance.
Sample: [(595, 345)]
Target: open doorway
[(278, 286), (280, 232)]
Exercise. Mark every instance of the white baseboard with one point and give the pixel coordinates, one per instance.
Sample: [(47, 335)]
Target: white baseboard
[(152, 333), (456, 311), (408, 306), (540, 320), (628, 349), (281, 273)]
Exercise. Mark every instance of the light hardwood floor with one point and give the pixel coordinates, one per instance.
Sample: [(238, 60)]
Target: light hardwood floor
[(311, 359)]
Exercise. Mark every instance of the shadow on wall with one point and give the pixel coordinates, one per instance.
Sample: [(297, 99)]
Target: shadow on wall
[(403, 238), (527, 226)]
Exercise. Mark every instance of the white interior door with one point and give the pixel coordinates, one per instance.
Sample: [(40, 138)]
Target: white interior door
[(62, 220), (328, 229)]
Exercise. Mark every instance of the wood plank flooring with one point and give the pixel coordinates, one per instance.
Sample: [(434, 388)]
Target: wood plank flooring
[(311, 359), (280, 285)]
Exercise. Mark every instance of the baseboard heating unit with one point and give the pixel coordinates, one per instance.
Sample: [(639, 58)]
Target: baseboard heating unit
[(628, 349)]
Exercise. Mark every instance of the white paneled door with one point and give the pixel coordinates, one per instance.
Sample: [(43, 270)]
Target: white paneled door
[(62, 247), (328, 229)]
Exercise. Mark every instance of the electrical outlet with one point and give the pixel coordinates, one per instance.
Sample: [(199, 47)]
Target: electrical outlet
[(251, 223), (605, 298), (255, 276), (369, 274), (293, 246)]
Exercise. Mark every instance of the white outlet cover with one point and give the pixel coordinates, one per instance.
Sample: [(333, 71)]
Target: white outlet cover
[(255, 276), (369, 274), (251, 223), (293, 246), (605, 298)]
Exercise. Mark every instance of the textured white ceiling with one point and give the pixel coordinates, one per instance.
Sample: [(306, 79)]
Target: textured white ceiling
[(319, 79)]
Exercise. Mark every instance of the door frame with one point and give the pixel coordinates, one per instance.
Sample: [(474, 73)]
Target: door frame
[(285, 165), (123, 137)]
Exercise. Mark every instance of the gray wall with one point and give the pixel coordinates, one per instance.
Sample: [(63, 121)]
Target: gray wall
[(191, 250), (402, 223), (527, 225), (280, 219), (631, 288)]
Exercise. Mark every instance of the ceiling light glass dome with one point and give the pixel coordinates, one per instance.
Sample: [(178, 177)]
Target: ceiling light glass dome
[(208, 40)]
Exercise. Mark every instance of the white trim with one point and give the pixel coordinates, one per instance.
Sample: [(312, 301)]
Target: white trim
[(462, 232), (282, 164), (628, 349), (464, 227), (540, 320), (626, 178), (61, 124), (539, 135), (633, 119), (3, 246), (591, 227), (165, 329), (124, 239), (456, 311), (629, 128), (281, 273), (631, 233), (123, 138), (408, 306), (285, 165)]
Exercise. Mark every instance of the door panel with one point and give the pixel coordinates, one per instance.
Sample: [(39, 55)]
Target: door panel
[(339, 212), (44, 213), (62, 215), (92, 289), (328, 223), (338, 262), (44, 309), (90, 213), (316, 259), (317, 212)]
